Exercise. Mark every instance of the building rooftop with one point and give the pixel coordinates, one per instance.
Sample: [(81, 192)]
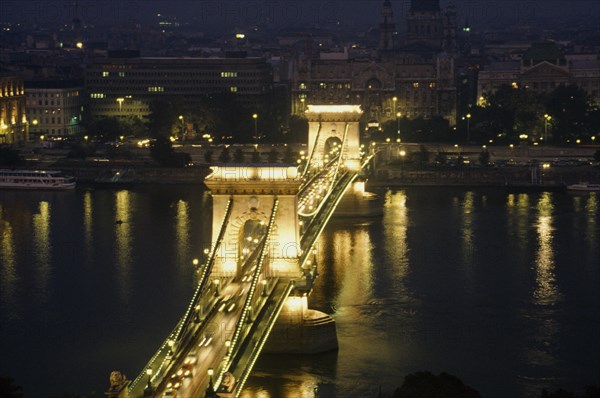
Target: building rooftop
[(53, 83), (547, 51)]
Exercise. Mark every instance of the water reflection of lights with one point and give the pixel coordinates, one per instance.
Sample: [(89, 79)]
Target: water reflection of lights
[(467, 229), (546, 291), (518, 211), (41, 244), (87, 224), (592, 211), (123, 239), (182, 230), (8, 275), (395, 224), (352, 257)]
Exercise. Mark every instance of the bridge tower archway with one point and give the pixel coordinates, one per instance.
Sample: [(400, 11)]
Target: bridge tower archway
[(334, 123), (251, 191)]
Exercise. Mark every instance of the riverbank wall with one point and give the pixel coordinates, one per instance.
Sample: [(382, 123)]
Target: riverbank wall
[(532, 176)]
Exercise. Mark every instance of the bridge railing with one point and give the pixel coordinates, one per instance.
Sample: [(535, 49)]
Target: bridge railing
[(255, 350)]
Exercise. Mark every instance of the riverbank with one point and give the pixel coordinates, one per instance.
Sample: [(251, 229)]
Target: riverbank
[(534, 176)]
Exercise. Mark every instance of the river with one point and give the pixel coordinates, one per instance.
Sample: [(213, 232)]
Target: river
[(500, 289)]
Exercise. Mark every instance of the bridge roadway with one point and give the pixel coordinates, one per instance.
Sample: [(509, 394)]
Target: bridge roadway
[(207, 342)]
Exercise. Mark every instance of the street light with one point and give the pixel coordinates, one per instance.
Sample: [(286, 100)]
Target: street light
[(394, 100), (468, 127), (255, 117), (398, 116), (210, 390), (181, 118), (546, 120), (148, 391)]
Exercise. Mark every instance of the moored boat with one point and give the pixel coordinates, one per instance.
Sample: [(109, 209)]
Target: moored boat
[(583, 186), (35, 179)]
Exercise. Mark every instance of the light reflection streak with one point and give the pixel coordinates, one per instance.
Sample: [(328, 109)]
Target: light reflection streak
[(518, 216), (352, 252), (395, 224), (467, 230), (591, 208), (543, 339), (41, 245), (546, 291), (8, 275), (183, 231), (87, 226), (123, 240)]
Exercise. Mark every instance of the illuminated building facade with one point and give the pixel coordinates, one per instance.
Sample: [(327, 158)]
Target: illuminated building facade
[(13, 122), (127, 86), (54, 107), (542, 68), (416, 79)]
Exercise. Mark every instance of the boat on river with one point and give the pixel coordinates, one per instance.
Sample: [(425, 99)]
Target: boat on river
[(583, 186), (115, 178), (35, 179)]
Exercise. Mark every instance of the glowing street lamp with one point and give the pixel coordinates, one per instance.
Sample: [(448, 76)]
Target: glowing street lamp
[(394, 100), (546, 120), (182, 120), (210, 390), (148, 390), (468, 116), (398, 116), (255, 117)]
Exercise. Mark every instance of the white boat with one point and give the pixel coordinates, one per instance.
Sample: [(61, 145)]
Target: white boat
[(35, 179), (584, 186)]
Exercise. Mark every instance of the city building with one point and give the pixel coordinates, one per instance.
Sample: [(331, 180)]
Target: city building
[(126, 86), (542, 68), (13, 121), (414, 79), (54, 107)]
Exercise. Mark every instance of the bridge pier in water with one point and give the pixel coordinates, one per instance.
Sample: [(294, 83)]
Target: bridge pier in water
[(300, 330)]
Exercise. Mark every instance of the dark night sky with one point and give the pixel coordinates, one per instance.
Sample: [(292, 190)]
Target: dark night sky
[(234, 13)]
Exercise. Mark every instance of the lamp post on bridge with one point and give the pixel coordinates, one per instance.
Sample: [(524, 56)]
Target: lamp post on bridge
[(149, 391), (210, 390)]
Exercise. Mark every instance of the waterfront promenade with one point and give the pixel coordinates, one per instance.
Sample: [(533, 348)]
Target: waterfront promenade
[(394, 165)]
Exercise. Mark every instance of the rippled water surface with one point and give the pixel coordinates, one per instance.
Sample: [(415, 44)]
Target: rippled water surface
[(501, 289)]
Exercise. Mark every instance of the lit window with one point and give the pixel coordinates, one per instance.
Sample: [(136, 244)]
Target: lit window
[(104, 74), (432, 85), (302, 86), (156, 89), (322, 85), (96, 95), (416, 85), (228, 74), (233, 89), (121, 74)]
